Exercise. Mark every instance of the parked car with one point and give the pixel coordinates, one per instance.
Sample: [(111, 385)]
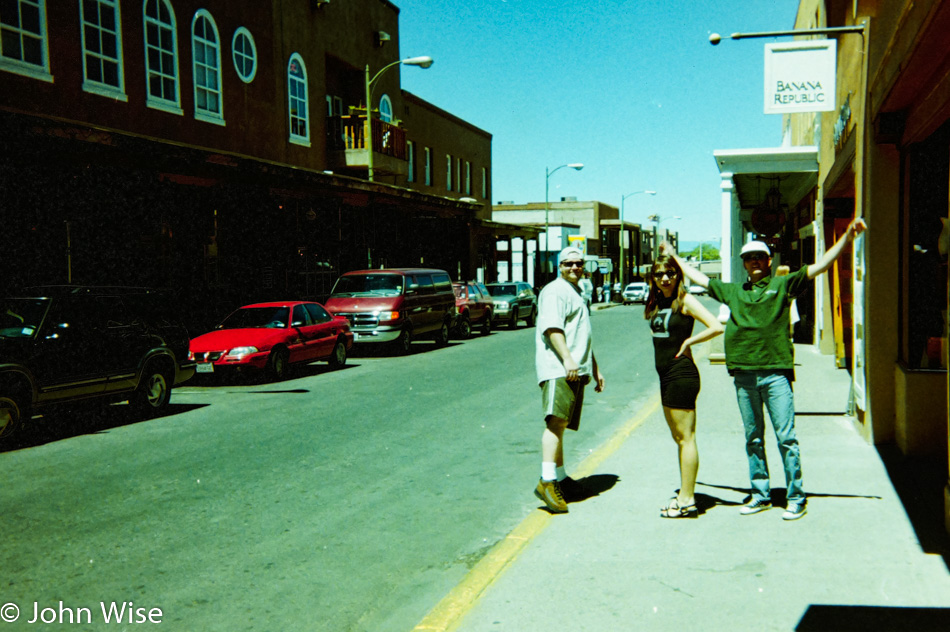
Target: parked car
[(273, 336), (697, 289), (395, 305), (514, 301), (636, 292), (474, 306), (65, 343)]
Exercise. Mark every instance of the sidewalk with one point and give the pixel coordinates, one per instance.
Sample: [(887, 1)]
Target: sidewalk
[(612, 564)]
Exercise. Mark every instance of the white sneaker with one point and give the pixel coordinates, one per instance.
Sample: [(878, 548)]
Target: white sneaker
[(794, 511), (755, 507)]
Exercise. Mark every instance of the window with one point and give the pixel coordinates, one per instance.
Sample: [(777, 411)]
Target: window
[(161, 57), (484, 183), (102, 48), (458, 174), (428, 166), (244, 54), (411, 156), (206, 68), (24, 47), (299, 108), (468, 178), (318, 315), (448, 172), (385, 109)]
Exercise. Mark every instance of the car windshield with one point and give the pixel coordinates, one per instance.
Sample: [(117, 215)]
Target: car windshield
[(253, 317), (368, 285), (21, 317), (502, 289)]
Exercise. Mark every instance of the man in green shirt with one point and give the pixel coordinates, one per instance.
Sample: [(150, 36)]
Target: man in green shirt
[(759, 357)]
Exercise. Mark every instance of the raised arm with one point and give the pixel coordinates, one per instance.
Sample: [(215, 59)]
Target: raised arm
[(855, 228), (691, 273)]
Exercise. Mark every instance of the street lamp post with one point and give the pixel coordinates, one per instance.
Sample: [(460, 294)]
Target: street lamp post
[(620, 234), (547, 178), (423, 62), (657, 220)]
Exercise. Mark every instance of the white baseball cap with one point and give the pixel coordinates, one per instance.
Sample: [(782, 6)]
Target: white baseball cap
[(755, 246), (570, 253)]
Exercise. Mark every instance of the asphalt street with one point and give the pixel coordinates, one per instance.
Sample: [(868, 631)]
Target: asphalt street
[(335, 500)]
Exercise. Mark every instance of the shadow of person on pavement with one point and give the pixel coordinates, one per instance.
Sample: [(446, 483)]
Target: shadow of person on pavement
[(591, 486)]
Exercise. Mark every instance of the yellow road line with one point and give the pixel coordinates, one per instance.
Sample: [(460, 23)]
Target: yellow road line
[(448, 613)]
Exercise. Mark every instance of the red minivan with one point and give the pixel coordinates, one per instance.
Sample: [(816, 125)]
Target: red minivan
[(395, 305)]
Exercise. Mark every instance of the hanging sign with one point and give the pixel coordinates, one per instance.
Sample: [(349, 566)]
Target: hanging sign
[(800, 76)]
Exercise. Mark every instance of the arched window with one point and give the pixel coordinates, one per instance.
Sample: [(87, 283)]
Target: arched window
[(299, 108), (24, 43), (385, 108), (161, 56), (244, 53), (206, 68), (102, 48)]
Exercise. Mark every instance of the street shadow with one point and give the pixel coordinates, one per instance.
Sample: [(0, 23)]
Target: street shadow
[(73, 420), (256, 378), (919, 482), (591, 486), (777, 494), (820, 618), (385, 350)]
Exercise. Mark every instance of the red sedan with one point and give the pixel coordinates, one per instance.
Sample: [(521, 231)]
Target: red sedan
[(271, 337), (474, 306)]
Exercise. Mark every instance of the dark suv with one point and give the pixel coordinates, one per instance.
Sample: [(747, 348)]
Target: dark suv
[(64, 343)]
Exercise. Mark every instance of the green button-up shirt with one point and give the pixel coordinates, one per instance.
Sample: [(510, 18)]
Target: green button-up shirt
[(757, 330)]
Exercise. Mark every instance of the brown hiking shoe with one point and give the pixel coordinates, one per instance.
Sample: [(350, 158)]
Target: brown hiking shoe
[(550, 494)]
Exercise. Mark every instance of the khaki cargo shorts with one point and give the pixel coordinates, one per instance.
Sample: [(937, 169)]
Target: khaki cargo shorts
[(563, 399)]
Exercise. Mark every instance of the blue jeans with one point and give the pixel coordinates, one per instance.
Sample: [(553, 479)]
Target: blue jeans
[(772, 388)]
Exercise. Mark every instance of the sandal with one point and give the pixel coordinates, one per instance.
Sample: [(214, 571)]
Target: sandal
[(674, 510)]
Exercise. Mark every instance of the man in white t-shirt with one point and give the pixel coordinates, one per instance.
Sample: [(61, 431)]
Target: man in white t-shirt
[(565, 364)]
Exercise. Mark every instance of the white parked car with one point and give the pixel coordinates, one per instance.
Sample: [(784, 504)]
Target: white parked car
[(636, 292), (697, 289)]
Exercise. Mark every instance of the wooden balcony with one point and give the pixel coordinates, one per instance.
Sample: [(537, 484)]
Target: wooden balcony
[(346, 146)]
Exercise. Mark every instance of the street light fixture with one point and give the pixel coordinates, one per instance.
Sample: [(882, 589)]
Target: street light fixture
[(547, 177), (422, 62), (657, 220), (620, 234)]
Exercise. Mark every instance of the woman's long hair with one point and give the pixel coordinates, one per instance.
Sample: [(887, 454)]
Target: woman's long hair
[(653, 300)]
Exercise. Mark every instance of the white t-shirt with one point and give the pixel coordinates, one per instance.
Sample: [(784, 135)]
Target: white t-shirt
[(561, 306)]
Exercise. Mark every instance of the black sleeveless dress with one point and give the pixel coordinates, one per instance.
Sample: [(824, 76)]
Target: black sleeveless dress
[(679, 378)]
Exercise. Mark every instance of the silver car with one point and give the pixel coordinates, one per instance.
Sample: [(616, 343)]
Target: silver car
[(636, 292)]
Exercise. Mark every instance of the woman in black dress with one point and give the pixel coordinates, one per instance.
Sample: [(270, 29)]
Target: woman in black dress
[(671, 312)]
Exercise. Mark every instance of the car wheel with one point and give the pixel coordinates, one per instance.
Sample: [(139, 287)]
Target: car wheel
[(531, 318), (12, 414), (442, 337), (403, 342), (513, 319), (277, 364), (465, 328), (486, 326), (154, 391), (338, 358)]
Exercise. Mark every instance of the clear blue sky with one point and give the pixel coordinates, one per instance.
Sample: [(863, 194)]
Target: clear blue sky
[(632, 89)]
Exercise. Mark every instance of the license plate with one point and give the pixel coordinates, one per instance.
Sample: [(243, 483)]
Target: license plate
[(204, 367)]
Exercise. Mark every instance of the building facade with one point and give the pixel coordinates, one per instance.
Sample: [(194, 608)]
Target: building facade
[(882, 154), (221, 147)]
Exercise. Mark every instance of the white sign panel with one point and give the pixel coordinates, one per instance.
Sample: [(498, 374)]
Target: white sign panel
[(800, 76)]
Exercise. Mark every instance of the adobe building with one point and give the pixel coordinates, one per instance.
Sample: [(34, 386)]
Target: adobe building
[(883, 154), (219, 147)]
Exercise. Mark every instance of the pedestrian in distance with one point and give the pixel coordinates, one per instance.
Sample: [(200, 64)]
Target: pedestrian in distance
[(759, 356), (671, 312), (565, 363)]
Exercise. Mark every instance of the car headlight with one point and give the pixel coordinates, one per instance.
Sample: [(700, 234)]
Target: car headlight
[(503, 305), (240, 352)]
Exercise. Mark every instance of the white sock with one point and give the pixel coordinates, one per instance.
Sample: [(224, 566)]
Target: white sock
[(561, 474), (548, 471)]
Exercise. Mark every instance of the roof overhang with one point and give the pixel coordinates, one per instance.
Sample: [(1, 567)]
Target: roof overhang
[(754, 171)]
